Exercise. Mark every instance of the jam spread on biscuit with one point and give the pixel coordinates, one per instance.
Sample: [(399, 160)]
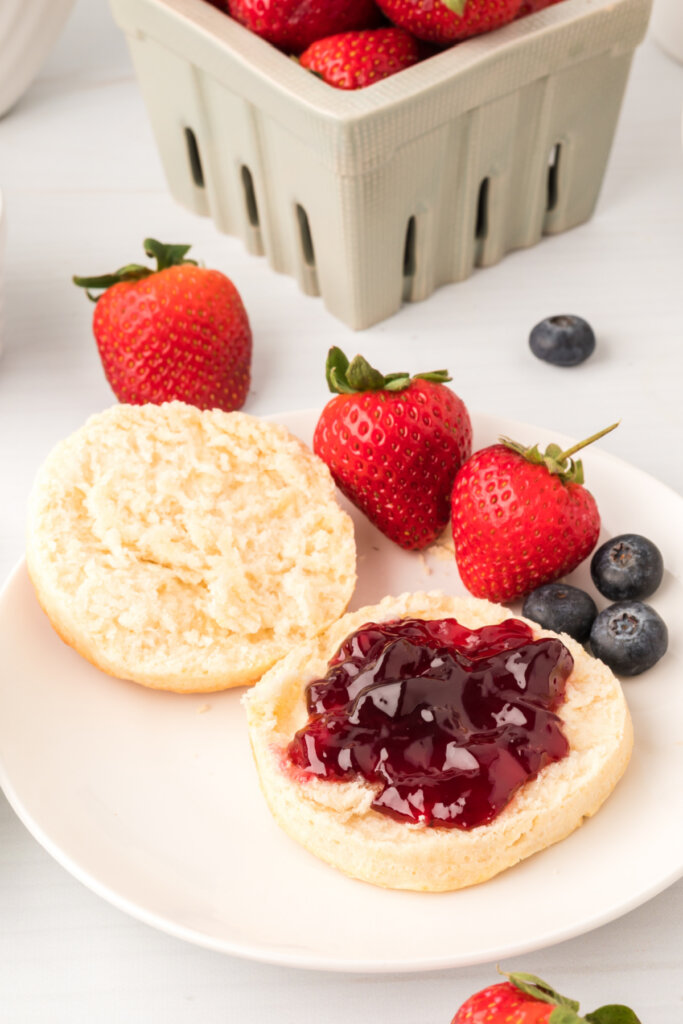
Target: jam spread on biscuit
[(446, 722)]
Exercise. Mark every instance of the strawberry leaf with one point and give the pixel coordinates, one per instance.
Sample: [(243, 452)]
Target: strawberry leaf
[(612, 1015), (437, 376), (457, 6), (565, 1015), (357, 376), (335, 370), (339, 385), (167, 255), (131, 272), (575, 470), (398, 383), (363, 377), (535, 987), (556, 461)]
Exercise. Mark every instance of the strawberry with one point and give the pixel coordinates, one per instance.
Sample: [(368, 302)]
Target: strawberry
[(292, 25), (447, 21), (352, 60), (393, 445), (521, 518), (177, 332), (525, 999)]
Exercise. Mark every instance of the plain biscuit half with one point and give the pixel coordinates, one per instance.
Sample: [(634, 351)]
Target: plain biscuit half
[(335, 820), (187, 550)]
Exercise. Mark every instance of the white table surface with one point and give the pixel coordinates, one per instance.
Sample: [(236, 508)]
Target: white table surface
[(83, 186)]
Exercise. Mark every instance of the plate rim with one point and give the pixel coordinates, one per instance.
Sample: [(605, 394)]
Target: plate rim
[(284, 958)]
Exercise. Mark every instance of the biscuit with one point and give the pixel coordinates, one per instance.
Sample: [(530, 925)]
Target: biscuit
[(187, 550), (335, 821)]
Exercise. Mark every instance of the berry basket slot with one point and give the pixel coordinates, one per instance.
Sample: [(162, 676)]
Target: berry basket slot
[(381, 195)]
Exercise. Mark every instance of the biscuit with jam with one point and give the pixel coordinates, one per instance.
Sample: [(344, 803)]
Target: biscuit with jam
[(430, 742)]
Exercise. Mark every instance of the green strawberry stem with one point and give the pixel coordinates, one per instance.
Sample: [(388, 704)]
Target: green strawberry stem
[(556, 461), (457, 6), (566, 1011), (352, 378), (165, 255), (584, 444)]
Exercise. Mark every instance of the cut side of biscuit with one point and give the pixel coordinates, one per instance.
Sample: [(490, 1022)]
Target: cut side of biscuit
[(335, 820), (187, 550)]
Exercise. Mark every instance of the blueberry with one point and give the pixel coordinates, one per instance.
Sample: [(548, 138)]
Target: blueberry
[(562, 340), (628, 566), (629, 637), (562, 608)]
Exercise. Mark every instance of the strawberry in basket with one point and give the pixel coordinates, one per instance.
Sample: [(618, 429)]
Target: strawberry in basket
[(292, 25), (447, 21), (354, 60)]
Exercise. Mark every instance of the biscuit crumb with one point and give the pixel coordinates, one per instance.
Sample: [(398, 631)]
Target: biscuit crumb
[(443, 547), (424, 564)]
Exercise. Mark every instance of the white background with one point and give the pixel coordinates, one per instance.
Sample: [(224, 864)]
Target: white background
[(83, 187)]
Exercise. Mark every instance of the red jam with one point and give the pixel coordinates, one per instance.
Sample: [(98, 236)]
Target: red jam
[(446, 722)]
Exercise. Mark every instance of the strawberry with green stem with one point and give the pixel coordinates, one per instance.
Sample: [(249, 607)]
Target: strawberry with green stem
[(521, 518), (177, 331), (526, 999), (393, 445)]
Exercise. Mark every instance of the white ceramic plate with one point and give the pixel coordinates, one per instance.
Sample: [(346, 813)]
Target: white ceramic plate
[(152, 801)]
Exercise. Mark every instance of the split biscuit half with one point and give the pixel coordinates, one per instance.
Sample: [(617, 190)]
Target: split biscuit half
[(187, 550)]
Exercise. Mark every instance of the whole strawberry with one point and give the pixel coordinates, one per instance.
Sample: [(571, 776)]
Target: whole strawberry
[(393, 445), (353, 60), (292, 25), (447, 21), (525, 999), (175, 332), (521, 518)]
